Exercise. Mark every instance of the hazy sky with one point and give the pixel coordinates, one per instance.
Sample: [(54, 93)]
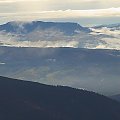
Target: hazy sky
[(86, 12)]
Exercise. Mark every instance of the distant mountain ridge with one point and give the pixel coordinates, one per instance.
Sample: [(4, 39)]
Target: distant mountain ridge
[(59, 34), (21, 100), (112, 26), (68, 28)]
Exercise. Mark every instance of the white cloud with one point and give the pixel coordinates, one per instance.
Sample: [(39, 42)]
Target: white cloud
[(85, 13), (106, 31), (40, 9), (57, 4), (110, 12), (111, 15)]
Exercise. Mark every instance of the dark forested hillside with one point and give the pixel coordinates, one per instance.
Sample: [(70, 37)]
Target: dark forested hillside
[(20, 100)]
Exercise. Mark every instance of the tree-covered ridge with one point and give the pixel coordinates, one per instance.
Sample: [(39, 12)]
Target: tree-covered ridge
[(21, 100)]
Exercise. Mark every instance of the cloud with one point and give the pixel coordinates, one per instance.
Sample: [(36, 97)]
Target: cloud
[(110, 12), (11, 1), (106, 31), (85, 17), (57, 4), (84, 13), (40, 9)]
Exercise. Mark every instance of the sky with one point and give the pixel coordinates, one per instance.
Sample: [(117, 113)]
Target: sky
[(85, 12)]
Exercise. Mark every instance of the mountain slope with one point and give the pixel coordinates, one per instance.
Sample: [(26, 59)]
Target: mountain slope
[(94, 70), (22, 100)]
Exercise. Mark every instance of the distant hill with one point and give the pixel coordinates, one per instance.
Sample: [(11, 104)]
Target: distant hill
[(94, 70), (20, 100)]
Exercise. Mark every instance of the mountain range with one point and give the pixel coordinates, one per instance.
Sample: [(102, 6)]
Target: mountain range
[(59, 53), (58, 34), (27, 27), (22, 100)]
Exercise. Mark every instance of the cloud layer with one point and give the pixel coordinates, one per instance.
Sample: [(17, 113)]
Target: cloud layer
[(61, 14), (55, 9)]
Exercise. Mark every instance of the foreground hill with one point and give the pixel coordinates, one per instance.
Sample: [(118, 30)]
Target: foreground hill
[(20, 100)]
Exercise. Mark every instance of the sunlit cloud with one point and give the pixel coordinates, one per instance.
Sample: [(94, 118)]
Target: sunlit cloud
[(110, 12)]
